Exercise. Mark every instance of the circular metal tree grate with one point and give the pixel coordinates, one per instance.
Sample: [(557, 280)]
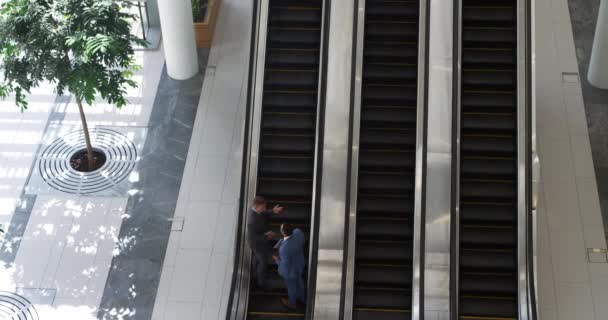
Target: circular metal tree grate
[(55, 169), (16, 307)]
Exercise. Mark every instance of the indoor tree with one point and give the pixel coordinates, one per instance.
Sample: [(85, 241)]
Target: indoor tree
[(82, 47)]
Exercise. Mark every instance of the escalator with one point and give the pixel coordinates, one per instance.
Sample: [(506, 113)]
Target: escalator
[(382, 284), (488, 249), (288, 132)]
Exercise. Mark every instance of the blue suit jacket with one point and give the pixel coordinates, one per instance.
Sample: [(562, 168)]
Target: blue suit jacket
[(291, 255)]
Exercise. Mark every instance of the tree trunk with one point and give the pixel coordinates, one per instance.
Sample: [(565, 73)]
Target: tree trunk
[(87, 137)]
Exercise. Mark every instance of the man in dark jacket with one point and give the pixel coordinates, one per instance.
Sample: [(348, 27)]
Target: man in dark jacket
[(259, 236), (291, 263)]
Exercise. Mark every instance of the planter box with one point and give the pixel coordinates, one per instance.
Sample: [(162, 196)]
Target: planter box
[(203, 31)]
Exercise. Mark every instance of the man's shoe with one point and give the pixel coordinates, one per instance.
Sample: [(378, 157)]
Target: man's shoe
[(285, 303)]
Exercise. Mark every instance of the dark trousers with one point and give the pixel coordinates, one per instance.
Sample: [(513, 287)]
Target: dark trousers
[(295, 290), (261, 257)]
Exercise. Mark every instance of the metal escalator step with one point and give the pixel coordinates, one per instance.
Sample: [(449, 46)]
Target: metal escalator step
[(383, 30), (305, 59), (289, 120), (489, 78), (488, 236), (390, 73), (491, 212), (277, 100), (301, 16), (479, 307), (384, 229), (488, 122), (293, 38), (487, 260), (287, 144), (488, 38), (387, 276), (387, 183), (285, 188), (488, 189), (488, 167), (388, 160), (382, 298), (484, 101), (491, 284), (286, 166), (488, 57), (294, 212), (367, 314), (384, 251), (376, 206), (390, 53), (487, 145), (268, 306), (389, 95), (380, 139), (492, 15), (274, 282), (392, 9), (393, 117), (291, 79)]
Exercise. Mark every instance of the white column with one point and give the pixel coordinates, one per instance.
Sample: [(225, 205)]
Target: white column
[(598, 66), (177, 26)]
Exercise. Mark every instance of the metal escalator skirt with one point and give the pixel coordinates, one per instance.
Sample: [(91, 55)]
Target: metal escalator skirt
[(417, 267), (524, 163)]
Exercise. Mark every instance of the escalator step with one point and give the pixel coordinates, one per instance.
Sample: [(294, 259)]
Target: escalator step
[(485, 101), (384, 276), (390, 73), (391, 53), (287, 144), (289, 120), (375, 182), (480, 236), (485, 260), (285, 79), (488, 284), (291, 16), (388, 10), (382, 298), (370, 160), (389, 95), (489, 57), (366, 314), (384, 229), (302, 59), (402, 31), (489, 307), (381, 139), (292, 188), (492, 190), (268, 306), (277, 100), (384, 251), (284, 38), (488, 78), (286, 166), (488, 167), (488, 38), (392, 117), (503, 213), (375, 206), (488, 122), (487, 145), (293, 212), (488, 15)]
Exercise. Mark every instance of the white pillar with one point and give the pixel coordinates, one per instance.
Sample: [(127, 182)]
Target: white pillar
[(177, 26), (598, 66)]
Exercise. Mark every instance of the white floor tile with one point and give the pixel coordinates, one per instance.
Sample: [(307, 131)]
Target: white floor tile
[(200, 225), (191, 268), (562, 207), (558, 165), (214, 286), (591, 213), (162, 294), (574, 302), (182, 310)]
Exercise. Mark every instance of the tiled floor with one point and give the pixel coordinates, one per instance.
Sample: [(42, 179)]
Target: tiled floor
[(569, 217), (197, 270)]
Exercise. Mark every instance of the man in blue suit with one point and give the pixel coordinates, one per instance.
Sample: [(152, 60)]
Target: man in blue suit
[(291, 264)]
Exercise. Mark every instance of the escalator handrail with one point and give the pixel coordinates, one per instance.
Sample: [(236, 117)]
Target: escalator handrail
[(239, 293)]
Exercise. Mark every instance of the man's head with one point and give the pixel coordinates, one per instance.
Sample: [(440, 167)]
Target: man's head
[(259, 204), (286, 229)]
